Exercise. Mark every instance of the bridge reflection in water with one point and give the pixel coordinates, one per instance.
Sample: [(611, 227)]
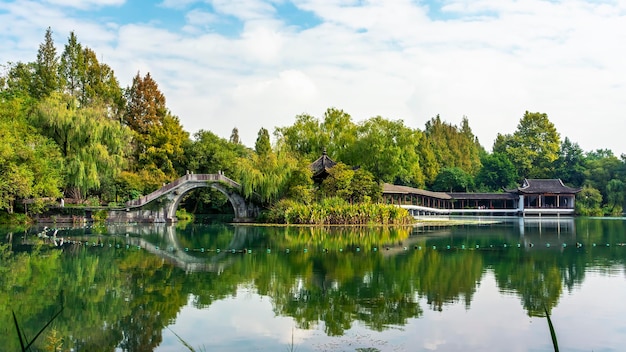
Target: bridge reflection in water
[(164, 240), (172, 251)]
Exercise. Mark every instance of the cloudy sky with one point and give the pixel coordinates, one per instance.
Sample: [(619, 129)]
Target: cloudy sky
[(259, 63)]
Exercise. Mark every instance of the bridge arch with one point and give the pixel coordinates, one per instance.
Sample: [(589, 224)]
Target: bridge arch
[(243, 211), (161, 205)]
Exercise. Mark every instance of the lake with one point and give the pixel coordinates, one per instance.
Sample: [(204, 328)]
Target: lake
[(481, 287)]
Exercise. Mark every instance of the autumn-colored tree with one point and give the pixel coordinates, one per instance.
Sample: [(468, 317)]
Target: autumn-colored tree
[(145, 104), (158, 137)]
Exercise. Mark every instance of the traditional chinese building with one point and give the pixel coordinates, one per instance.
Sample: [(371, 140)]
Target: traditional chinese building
[(534, 197), (321, 167)]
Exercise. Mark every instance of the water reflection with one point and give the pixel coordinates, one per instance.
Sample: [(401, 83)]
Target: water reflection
[(122, 285)]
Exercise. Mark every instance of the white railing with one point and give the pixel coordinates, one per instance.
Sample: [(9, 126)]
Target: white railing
[(178, 182)]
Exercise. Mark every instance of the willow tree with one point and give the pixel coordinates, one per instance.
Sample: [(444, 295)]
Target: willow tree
[(92, 144), (267, 173)]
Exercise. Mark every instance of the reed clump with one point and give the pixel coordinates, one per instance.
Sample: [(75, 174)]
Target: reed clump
[(336, 211)]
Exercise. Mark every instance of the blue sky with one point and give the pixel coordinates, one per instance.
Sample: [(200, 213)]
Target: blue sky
[(259, 63)]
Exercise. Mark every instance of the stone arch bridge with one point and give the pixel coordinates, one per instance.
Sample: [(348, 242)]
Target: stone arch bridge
[(161, 205)]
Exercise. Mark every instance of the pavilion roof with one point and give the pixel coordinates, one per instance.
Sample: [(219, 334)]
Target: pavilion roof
[(541, 186), (395, 189), (322, 165)]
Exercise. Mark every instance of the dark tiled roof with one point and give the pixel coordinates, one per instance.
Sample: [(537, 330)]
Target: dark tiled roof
[(482, 196), (552, 186), (395, 189), (322, 165)]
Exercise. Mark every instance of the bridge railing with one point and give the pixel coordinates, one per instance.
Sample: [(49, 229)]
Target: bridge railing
[(179, 181)]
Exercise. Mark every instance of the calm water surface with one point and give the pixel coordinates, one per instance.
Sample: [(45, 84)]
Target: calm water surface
[(223, 288)]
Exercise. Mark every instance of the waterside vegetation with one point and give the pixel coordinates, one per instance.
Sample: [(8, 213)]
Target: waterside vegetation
[(69, 132)]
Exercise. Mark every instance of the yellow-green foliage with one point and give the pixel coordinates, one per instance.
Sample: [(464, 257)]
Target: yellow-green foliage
[(336, 211), (183, 215)]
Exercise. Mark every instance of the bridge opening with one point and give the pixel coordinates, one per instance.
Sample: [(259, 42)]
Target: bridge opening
[(207, 206)]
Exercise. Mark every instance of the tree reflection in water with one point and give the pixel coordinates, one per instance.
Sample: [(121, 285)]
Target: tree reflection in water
[(124, 296)]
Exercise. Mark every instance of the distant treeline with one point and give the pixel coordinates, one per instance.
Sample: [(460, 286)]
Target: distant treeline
[(68, 130)]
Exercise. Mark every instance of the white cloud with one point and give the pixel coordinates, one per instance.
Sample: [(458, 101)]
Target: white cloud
[(488, 60), (85, 4)]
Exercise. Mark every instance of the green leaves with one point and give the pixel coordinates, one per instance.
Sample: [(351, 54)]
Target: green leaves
[(533, 148), (91, 143)]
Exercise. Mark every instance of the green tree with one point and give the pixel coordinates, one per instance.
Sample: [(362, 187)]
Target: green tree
[(533, 148), (267, 175), (389, 150), (209, 154), (165, 145), (92, 145), (72, 66), (46, 78), (615, 196), (497, 172), (570, 166), (31, 165), (588, 201), (454, 146), (453, 179), (350, 185), (234, 136), (304, 137), (339, 133), (262, 145), (602, 167), (18, 81), (308, 137)]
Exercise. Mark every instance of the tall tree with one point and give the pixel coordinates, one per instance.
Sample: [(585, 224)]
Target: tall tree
[(72, 66), (570, 166), (145, 104), (262, 145), (533, 147), (99, 85), (46, 79), (234, 136), (454, 146), (210, 154), (339, 133)]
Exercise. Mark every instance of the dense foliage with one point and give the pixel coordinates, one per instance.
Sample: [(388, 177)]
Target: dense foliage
[(69, 130)]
